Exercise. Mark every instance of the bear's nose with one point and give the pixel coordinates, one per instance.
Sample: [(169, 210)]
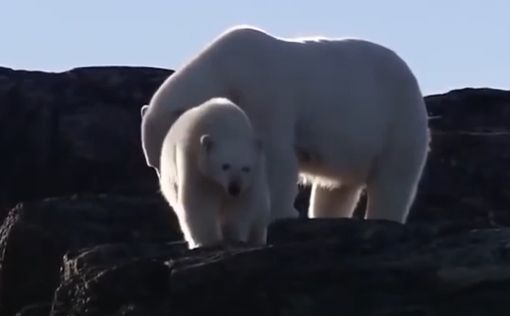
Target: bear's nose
[(234, 189)]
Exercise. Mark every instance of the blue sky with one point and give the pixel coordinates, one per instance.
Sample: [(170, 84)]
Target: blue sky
[(449, 44)]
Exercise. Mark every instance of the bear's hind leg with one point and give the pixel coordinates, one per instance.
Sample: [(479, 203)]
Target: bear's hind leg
[(282, 174), (390, 198), (392, 187), (333, 202)]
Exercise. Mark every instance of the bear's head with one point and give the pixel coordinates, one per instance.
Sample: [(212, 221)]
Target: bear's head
[(232, 163)]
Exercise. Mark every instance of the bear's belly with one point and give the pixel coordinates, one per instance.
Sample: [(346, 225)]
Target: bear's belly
[(338, 151), (347, 168)]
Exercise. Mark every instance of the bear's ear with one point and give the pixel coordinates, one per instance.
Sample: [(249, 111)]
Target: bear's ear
[(206, 142), (144, 109)]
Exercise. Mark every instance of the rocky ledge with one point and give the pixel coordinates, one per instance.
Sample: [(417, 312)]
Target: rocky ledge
[(85, 231)]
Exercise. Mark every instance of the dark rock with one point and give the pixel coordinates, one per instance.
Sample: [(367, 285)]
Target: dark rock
[(361, 268), (470, 110), (43, 309), (73, 132), (467, 172), (466, 179), (36, 235)]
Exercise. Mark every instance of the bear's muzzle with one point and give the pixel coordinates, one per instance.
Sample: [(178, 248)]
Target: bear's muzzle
[(234, 188)]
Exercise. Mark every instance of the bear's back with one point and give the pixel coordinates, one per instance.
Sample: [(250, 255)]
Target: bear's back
[(250, 56)]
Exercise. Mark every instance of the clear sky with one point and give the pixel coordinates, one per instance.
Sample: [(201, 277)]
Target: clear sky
[(449, 43)]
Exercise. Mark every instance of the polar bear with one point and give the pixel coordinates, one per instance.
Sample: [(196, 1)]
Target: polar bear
[(213, 176), (340, 114)]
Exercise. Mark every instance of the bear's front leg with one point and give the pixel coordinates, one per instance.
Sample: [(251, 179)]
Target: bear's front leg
[(258, 234), (241, 226), (198, 217), (235, 223)]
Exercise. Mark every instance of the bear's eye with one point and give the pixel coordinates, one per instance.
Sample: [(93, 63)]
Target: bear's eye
[(246, 169), (225, 166)]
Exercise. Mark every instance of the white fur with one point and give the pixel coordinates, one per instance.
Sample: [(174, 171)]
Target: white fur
[(213, 176), (353, 108)]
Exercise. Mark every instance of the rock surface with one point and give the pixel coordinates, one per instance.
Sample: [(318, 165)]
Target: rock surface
[(467, 175), (36, 235), (73, 132), (92, 236)]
